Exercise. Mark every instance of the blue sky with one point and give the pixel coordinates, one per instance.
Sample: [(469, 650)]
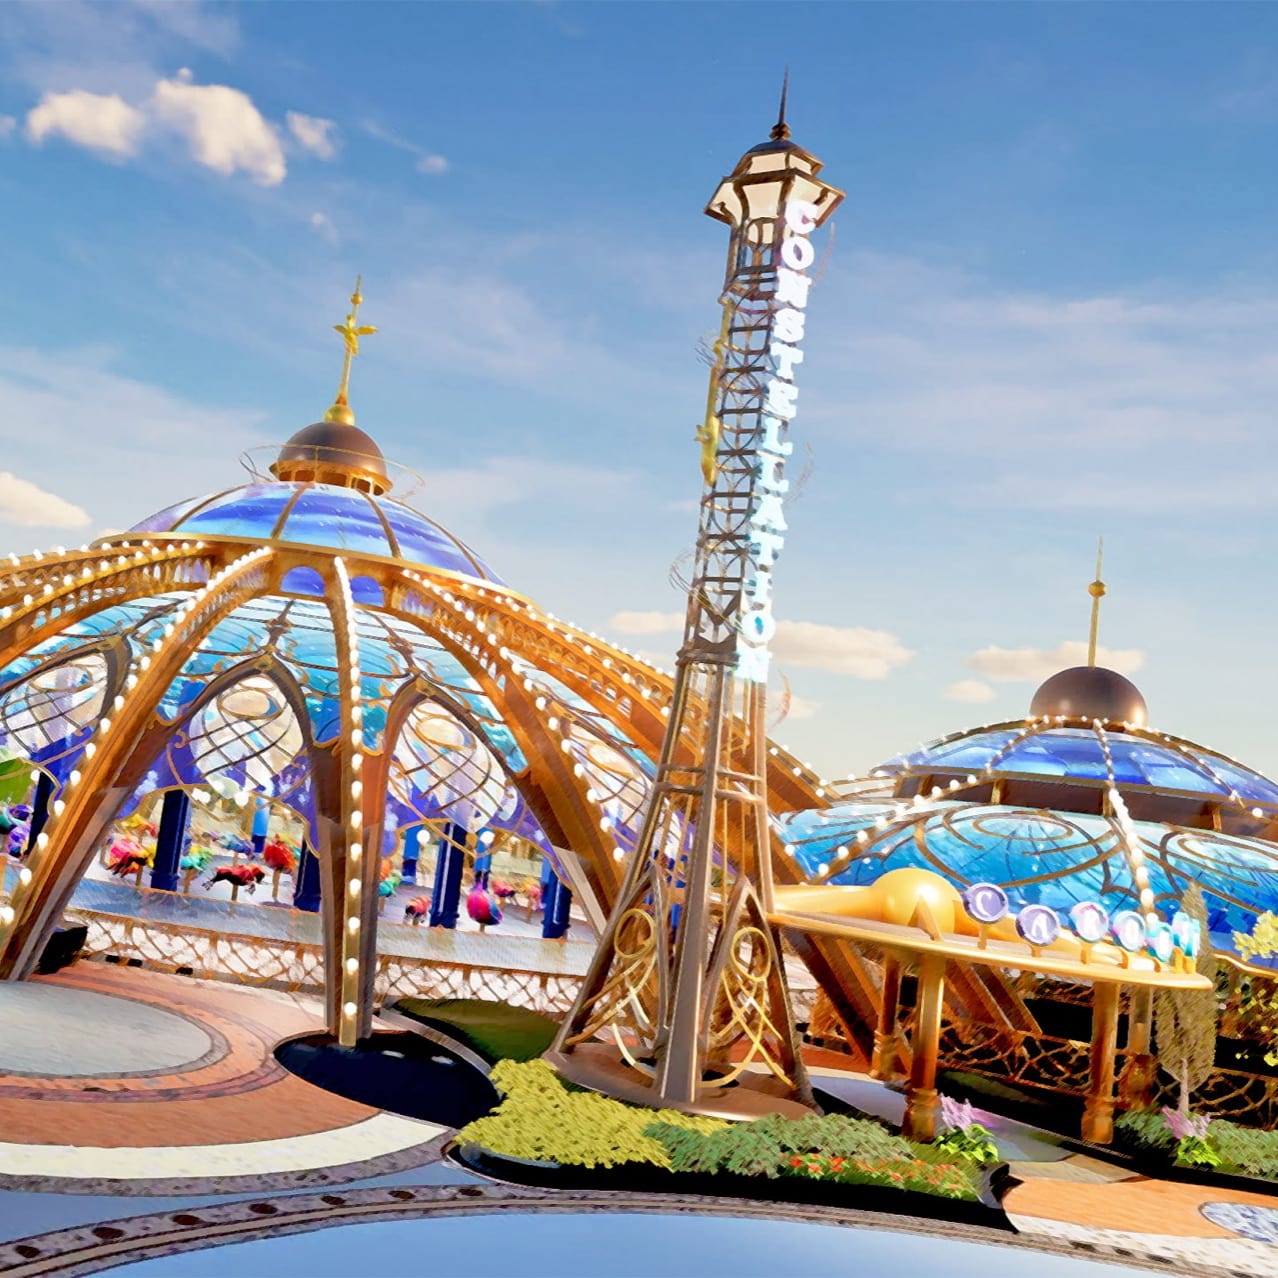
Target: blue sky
[(1049, 310)]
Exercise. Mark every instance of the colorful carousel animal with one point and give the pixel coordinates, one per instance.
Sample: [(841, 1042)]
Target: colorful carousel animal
[(127, 856), (194, 861), (280, 858), (530, 890), (14, 814), (416, 910), (388, 883), (238, 876), (482, 906)]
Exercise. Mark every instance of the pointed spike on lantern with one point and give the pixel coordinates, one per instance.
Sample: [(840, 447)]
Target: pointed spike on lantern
[(781, 130)]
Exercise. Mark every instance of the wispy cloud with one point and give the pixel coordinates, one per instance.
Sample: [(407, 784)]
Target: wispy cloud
[(970, 690), (1018, 665), (1064, 401), (28, 505), (313, 134), (427, 161), (323, 226), (852, 650)]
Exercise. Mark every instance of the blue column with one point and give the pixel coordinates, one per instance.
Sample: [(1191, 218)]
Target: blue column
[(46, 787), (556, 903), (446, 898), (409, 868), (483, 857), (169, 840), (306, 885), (261, 825)]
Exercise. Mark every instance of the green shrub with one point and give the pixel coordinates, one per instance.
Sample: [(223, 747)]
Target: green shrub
[(1145, 1131), (541, 1119), (853, 1151), (1247, 1149)]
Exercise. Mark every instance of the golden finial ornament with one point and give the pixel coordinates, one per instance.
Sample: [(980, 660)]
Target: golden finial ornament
[(1097, 592), (351, 333)]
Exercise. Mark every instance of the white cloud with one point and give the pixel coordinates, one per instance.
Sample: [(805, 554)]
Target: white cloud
[(323, 225), (107, 429), (972, 690), (26, 504), (426, 161), (222, 127), (432, 164), (1135, 395), (854, 650), (1022, 665), (101, 122), (796, 708), (313, 134), (645, 623)]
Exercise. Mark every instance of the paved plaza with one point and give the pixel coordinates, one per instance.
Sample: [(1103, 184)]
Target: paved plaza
[(185, 1131)]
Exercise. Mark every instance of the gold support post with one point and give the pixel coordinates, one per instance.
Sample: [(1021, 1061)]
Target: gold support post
[(1098, 1112), (886, 1034), (922, 1105), (1136, 1086), (1097, 592)]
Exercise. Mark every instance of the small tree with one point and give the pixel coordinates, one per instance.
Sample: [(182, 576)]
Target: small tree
[(1262, 1005), (1185, 1020)]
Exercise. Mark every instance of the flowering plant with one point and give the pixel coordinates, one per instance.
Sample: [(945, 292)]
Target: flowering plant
[(964, 1137), (1190, 1131)]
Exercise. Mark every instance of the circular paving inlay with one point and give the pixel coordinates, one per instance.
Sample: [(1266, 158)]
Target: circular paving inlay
[(1260, 1224), (63, 1032)]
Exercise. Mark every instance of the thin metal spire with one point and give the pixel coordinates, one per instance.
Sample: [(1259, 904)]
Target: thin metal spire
[(351, 333), (781, 130), (1097, 591)]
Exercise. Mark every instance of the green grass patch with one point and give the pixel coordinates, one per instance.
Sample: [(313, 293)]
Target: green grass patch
[(494, 1030)]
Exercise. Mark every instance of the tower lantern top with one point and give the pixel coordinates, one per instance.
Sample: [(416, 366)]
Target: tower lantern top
[(771, 174)]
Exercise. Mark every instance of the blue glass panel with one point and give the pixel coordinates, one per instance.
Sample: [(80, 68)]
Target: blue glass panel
[(302, 581), (251, 511), (164, 520), (1249, 784), (327, 516), (420, 542), (366, 591)]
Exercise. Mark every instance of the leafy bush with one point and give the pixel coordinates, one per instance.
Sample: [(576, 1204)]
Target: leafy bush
[(1253, 1152), (1237, 1149), (831, 1147), (1145, 1131), (973, 1144), (541, 1119)]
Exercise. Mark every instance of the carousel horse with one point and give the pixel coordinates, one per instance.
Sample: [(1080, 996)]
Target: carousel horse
[(238, 876), (127, 856), (193, 862), (482, 907), (531, 892), (416, 910), (278, 856), (388, 883)]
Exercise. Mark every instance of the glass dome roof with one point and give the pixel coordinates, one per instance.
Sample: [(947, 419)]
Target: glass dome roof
[(1138, 758), (312, 514)]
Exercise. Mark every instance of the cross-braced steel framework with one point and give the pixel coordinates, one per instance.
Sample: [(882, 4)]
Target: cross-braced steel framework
[(687, 989)]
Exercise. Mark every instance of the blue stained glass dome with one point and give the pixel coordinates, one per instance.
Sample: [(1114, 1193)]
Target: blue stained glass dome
[(1057, 813), (1068, 753), (312, 514)]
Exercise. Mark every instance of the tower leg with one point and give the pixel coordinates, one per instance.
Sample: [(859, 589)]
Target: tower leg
[(412, 841), (1098, 1112), (887, 1033), (556, 902)]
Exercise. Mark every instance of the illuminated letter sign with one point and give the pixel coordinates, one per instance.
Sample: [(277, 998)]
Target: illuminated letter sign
[(1037, 925), (1090, 920), (985, 902), (755, 624)]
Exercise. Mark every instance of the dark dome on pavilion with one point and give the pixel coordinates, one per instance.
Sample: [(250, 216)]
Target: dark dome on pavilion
[(1090, 692)]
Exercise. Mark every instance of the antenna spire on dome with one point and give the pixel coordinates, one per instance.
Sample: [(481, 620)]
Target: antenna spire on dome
[(1097, 591), (781, 130), (351, 333)]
